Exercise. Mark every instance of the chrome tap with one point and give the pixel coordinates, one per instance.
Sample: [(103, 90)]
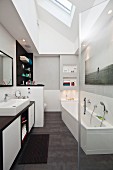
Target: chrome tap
[(105, 111), (5, 98), (84, 105), (89, 102), (95, 106)]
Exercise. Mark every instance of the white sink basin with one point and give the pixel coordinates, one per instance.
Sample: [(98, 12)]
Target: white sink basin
[(13, 106)]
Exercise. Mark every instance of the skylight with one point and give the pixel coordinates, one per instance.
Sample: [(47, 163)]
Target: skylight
[(62, 10), (64, 4)]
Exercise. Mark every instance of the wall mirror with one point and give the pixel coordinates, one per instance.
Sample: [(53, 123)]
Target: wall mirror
[(6, 70)]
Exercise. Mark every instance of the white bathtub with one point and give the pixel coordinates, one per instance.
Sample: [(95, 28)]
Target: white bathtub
[(94, 139)]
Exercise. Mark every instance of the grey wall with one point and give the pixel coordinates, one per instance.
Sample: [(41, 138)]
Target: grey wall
[(1, 69), (100, 49), (47, 71)]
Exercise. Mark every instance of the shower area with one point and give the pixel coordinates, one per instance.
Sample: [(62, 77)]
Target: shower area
[(96, 88), (90, 118)]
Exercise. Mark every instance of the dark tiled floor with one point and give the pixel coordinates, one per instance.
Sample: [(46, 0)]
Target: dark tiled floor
[(62, 154)]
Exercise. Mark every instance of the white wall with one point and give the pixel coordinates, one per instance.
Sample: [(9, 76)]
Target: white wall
[(8, 45), (28, 14), (52, 99), (7, 42), (52, 42), (100, 52)]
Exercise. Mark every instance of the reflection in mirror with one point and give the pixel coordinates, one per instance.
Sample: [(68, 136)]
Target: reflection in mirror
[(6, 70)]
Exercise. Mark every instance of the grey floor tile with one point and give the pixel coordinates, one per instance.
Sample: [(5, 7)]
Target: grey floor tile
[(18, 167), (63, 149)]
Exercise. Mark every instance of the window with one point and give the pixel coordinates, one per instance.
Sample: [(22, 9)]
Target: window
[(64, 4)]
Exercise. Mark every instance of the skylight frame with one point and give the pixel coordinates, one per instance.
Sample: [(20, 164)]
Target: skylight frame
[(62, 6)]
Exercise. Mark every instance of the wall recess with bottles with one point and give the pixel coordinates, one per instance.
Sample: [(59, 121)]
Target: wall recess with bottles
[(24, 63), (68, 72)]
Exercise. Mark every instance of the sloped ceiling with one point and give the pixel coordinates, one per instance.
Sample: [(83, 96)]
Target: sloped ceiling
[(10, 19), (70, 33), (12, 22)]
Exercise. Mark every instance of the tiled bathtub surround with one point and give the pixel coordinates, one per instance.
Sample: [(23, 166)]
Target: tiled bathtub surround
[(95, 100)]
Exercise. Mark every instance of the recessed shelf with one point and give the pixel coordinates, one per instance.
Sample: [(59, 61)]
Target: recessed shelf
[(24, 67), (69, 69), (68, 72), (72, 75), (24, 125)]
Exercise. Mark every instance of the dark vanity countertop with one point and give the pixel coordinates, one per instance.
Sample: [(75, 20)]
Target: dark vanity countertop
[(7, 120), (36, 85)]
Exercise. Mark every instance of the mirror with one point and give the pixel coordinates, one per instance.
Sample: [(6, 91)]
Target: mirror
[(6, 70)]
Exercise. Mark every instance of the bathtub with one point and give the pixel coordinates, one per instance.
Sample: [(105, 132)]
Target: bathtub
[(94, 139)]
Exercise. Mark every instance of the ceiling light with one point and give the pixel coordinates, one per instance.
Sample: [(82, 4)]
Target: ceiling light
[(109, 12), (84, 45), (23, 40)]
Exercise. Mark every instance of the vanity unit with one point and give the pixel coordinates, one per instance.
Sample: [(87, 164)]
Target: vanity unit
[(13, 133)]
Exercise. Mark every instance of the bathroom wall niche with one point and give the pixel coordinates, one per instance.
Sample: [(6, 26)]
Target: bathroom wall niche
[(6, 70)]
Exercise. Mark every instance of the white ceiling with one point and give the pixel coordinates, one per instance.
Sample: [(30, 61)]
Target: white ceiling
[(12, 22), (70, 33), (10, 19)]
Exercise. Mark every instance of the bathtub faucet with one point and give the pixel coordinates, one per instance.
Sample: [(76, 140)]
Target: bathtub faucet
[(5, 98), (95, 106), (84, 105), (103, 106), (105, 111)]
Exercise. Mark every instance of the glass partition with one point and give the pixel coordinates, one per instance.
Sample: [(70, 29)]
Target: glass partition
[(96, 88)]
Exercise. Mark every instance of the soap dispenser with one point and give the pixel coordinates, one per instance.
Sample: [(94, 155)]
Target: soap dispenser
[(29, 92)]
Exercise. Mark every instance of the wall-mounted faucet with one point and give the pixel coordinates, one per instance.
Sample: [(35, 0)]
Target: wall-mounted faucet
[(5, 98), (95, 106), (103, 105), (88, 101), (105, 111), (84, 105)]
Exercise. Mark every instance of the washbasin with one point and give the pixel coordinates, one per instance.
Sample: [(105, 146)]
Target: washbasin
[(13, 106)]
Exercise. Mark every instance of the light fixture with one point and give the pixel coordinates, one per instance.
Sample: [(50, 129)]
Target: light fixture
[(109, 12), (23, 40), (84, 45)]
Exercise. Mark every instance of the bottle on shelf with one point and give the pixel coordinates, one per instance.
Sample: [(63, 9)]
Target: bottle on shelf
[(27, 69), (24, 59)]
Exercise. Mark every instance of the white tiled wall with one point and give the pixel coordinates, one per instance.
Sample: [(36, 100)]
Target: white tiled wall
[(95, 100)]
